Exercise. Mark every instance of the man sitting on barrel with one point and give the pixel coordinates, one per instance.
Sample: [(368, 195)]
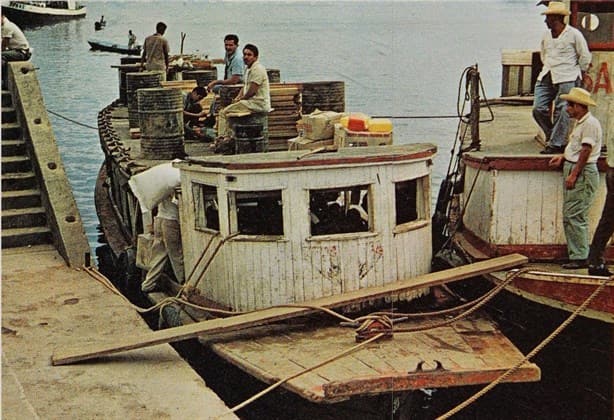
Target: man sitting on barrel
[(254, 98)]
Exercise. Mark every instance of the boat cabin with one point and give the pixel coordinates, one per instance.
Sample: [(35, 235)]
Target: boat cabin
[(273, 228)]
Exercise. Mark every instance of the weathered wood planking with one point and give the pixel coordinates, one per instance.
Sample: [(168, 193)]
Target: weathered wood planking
[(477, 354), (269, 315)]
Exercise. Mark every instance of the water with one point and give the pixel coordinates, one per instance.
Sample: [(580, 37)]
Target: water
[(396, 58)]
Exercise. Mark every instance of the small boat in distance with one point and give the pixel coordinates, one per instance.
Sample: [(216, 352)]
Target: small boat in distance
[(102, 45), (35, 13)]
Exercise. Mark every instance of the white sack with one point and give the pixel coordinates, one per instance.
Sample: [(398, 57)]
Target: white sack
[(155, 184)]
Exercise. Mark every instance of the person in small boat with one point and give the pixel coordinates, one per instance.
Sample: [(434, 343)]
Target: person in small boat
[(233, 68), (566, 58), (193, 111), (15, 46), (166, 248), (253, 98), (131, 39), (156, 51), (580, 174), (605, 227)]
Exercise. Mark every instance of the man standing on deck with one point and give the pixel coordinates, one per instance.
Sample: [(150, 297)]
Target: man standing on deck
[(254, 97), (15, 46), (131, 39), (580, 173), (155, 51), (566, 58)]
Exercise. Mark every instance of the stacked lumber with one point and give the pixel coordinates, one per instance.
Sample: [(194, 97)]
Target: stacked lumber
[(184, 85), (286, 104)]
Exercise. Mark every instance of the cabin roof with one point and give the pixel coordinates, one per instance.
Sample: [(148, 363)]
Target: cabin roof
[(298, 159)]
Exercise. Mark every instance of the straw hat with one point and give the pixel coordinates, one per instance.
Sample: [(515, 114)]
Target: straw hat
[(578, 96), (556, 8)]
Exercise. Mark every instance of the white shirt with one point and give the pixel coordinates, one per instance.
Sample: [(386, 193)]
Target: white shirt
[(587, 131), (261, 101), (17, 40), (168, 209), (565, 56)]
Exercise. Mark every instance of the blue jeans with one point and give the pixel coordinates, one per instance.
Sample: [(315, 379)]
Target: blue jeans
[(576, 203), (545, 93)]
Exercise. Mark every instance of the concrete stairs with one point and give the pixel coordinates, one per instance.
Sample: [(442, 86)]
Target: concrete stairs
[(24, 222)]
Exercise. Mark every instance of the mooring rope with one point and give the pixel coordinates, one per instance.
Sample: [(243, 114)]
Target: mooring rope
[(530, 355), (71, 120)]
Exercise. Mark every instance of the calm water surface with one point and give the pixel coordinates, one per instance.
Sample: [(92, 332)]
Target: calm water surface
[(396, 58)]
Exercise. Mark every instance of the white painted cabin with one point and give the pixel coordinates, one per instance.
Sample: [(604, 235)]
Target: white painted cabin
[(298, 226)]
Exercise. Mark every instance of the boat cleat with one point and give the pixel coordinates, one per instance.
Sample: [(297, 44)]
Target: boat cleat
[(372, 327)]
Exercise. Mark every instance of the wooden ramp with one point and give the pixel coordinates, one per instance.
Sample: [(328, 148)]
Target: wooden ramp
[(471, 352), (267, 316)]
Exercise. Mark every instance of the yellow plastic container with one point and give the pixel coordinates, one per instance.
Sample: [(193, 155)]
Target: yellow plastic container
[(380, 125)]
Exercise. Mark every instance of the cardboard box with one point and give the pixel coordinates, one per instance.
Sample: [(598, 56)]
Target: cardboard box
[(302, 143), (320, 125), (347, 138)]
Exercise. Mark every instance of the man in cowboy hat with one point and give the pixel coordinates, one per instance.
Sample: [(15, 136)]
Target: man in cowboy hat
[(566, 58), (580, 174)]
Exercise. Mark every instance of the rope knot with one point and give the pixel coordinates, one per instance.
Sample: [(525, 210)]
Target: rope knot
[(373, 326)]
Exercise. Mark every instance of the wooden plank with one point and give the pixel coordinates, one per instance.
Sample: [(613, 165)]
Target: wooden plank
[(265, 316)]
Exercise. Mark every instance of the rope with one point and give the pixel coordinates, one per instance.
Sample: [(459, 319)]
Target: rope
[(296, 375), (71, 120), (532, 353)]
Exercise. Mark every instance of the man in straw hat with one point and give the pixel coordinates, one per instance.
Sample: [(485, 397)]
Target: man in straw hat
[(580, 174), (565, 56)]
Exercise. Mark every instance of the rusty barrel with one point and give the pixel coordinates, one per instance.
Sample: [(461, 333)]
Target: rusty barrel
[(274, 75), (161, 122), (130, 59), (250, 133), (122, 70), (134, 82), (325, 96), (202, 77)]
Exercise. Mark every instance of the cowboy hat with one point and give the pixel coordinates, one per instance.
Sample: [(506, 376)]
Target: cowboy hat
[(578, 96), (544, 2), (556, 8)]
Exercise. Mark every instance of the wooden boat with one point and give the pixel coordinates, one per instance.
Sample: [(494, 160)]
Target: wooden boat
[(255, 239), (109, 46), (501, 197), (33, 13)]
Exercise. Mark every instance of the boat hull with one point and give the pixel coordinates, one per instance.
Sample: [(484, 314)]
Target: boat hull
[(115, 48), (28, 15)]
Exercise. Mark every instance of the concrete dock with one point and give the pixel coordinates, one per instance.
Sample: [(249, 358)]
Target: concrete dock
[(47, 305)]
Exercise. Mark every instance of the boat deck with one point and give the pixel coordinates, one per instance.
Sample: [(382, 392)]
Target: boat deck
[(471, 352)]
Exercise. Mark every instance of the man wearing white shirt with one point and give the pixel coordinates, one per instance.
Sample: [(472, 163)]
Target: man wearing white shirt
[(566, 58), (15, 46)]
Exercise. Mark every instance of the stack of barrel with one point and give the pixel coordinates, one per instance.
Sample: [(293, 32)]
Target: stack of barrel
[(134, 82), (202, 77), (161, 123)]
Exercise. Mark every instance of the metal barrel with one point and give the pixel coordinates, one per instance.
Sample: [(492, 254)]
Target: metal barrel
[(160, 113), (274, 75), (130, 59), (250, 133), (202, 77), (122, 71), (134, 82), (325, 96)]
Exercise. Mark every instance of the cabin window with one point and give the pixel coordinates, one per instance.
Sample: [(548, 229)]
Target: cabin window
[(339, 210), (205, 207), (256, 213), (596, 22), (410, 204)]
